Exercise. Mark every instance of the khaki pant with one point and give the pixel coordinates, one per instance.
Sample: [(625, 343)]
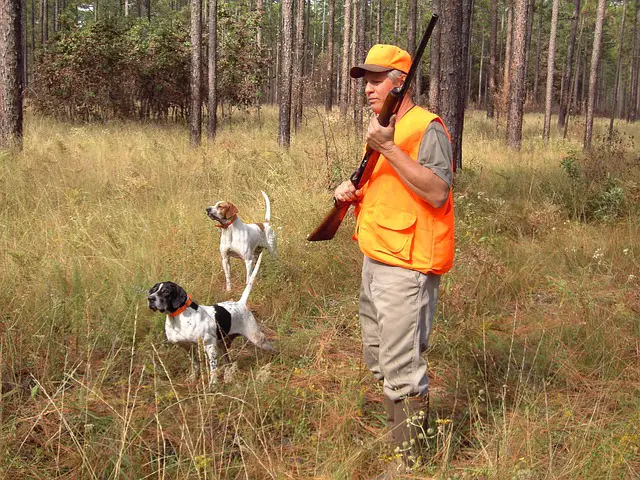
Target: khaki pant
[(396, 310)]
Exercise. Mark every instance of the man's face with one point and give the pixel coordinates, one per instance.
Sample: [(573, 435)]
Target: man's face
[(377, 87)]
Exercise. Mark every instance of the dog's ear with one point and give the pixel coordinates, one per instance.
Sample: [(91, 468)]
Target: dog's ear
[(231, 211), (178, 297)]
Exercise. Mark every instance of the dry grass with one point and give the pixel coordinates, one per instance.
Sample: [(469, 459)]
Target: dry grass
[(535, 359)]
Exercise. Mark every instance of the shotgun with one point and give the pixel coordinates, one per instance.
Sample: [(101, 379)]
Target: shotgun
[(330, 224)]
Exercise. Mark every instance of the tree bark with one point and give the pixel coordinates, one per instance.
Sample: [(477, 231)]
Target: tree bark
[(480, 72), (493, 44), (569, 65), (412, 10), (212, 122), (360, 55), (527, 48), (467, 26), (298, 67), (550, 69), (618, 68), (593, 76), (452, 85), (506, 71), (379, 21), (284, 93), (434, 82), (10, 75), (536, 71), (633, 93), (328, 102), (195, 110), (517, 79), (412, 13), (44, 12), (260, 10), (346, 41), (396, 24)]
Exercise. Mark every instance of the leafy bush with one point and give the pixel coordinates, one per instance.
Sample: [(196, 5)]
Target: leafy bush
[(140, 69), (601, 179)]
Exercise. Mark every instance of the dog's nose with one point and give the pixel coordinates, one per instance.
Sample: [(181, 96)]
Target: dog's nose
[(208, 209)]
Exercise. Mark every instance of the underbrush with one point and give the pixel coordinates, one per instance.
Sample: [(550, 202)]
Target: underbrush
[(534, 357)]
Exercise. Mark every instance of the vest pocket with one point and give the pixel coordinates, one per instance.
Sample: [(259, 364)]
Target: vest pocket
[(394, 232)]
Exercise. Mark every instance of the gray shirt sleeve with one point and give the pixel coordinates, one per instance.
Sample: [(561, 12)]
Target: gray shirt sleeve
[(435, 152)]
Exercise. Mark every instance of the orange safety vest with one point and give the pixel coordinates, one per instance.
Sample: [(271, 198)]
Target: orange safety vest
[(394, 225)]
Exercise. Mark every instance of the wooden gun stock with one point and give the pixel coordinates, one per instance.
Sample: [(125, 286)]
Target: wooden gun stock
[(330, 224)]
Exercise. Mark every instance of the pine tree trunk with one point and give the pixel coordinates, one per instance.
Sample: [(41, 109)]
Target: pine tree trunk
[(618, 68), (396, 24), (569, 65), (467, 27), (517, 90), (536, 71), (328, 102), (434, 81), (360, 55), (550, 69), (212, 123), (346, 42), (493, 44), (480, 72), (412, 13), (379, 21), (631, 106), (195, 108), (298, 67), (260, 11), (506, 71), (352, 54), (284, 92), (527, 48), (44, 33), (593, 76), (452, 84), (23, 40), (412, 10), (10, 75)]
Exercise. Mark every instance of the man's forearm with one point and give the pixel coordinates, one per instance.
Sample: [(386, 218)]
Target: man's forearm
[(421, 180)]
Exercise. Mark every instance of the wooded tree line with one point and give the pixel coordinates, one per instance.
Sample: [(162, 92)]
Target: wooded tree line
[(173, 59)]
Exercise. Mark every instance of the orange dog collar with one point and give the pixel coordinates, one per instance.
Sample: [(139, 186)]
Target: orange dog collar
[(182, 308), (226, 225)]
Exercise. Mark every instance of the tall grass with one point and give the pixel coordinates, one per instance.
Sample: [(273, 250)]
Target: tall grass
[(534, 363)]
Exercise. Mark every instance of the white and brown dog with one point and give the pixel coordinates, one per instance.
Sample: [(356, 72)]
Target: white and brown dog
[(239, 239), (216, 326)]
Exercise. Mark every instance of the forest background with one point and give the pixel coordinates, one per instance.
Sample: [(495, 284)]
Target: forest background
[(535, 357)]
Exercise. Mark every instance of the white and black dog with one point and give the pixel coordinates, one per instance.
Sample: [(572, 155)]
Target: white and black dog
[(217, 325), (239, 239)]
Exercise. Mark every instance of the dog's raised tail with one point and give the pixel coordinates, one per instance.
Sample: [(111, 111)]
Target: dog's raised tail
[(254, 274), (267, 214)]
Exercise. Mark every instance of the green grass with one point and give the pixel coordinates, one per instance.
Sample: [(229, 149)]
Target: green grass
[(534, 363)]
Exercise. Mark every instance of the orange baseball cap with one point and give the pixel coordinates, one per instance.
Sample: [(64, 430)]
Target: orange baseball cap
[(382, 58)]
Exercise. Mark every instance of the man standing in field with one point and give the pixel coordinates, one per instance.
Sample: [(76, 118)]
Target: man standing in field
[(405, 230)]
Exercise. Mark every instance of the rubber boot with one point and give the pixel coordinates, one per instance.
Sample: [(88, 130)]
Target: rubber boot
[(410, 416), (390, 408)]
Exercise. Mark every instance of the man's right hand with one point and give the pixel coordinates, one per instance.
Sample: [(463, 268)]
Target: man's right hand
[(347, 193)]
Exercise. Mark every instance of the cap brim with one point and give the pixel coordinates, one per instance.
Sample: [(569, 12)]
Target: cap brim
[(360, 70)]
